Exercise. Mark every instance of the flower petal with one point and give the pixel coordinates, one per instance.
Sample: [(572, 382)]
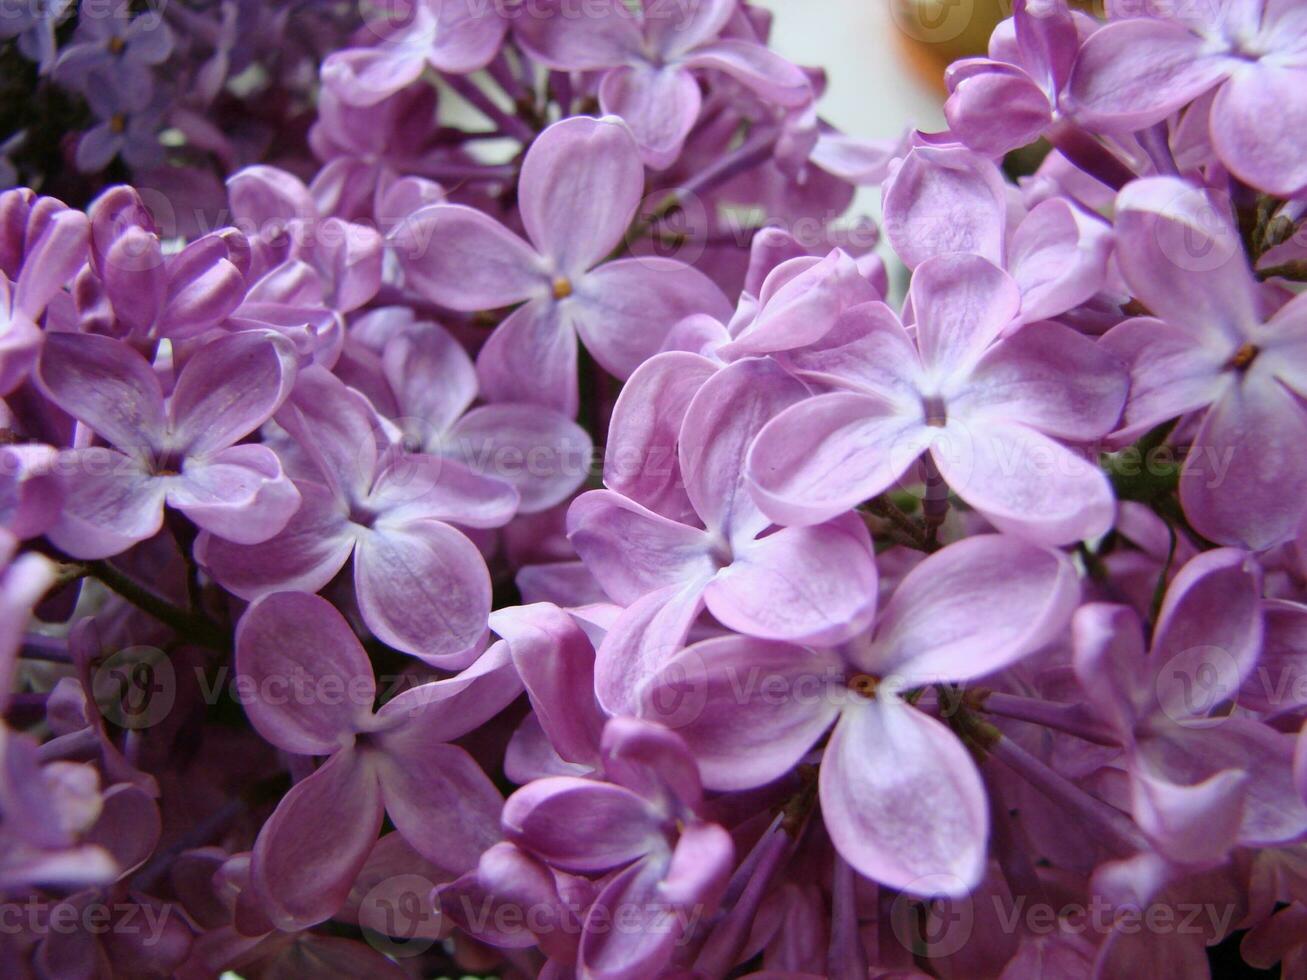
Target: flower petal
[(581, 184), (972, 609), (945, 199), (531, 357), (748, 709), (423, 589), (962, 303), (106, 384), (1246, 453), (542, 454), (313, 846), (1051, 378), (720, 425), (310, 682), (632, 551), (659, 104), (640, 459), (581, 825), (807, 584), (110, 503), (1025, 483), (304, 557), (240, 494), (441, 802), (461, 258), (624, 310), (1135, 72), (828, 454), (912, 814)]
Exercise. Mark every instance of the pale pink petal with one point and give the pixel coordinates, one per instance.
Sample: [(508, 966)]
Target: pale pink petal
[(962, 304), (809, 584), (308, 680), (423, 589), (1172, 371), (720, 425), (1111, 664), (640, 459), (458, 257), (580, 825), (659, 104), (632, 551), (1248, 451), (581, 184), (1182, 258), (609, 34), (1025, 483), (828, 454), (417, 486), (1058, 257), (240, 494), (623, 310), (757, 68), (555, 660), (106, 384), (543, 454), (1263, 91), (1135, 72), (748, 709), (972, 609), (1208, 634), (441, 802), (304, 557), (945, 199), (531, 357), (644, 637), (912, 814), (1051, 378), (312, 848), (110, 503)]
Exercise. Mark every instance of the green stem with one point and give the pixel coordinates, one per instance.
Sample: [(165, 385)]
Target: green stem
[(190, 625)]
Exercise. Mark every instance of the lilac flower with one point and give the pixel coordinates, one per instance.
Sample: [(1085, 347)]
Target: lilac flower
[(813, 583), (988, 411), (1200, 784), (43, 246), (912, 814), (1009, 99), (649, 59), (454, 36), (1139, 70), (947, 199), (34, 22), (47, 809), (392, 761), (110, 44), (421, 585), (643, 829), (129, 122), (179, 296), (1211, 346), (581, 185), (182, 451), (429, 383), (286, 228)]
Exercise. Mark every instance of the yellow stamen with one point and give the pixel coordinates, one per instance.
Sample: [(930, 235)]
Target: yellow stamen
[(562, 287)]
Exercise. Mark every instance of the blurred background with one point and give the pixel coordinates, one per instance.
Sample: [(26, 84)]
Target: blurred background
[(884, 58)]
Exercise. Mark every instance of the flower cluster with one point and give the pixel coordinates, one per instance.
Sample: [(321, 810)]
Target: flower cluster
[(561, 548)]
